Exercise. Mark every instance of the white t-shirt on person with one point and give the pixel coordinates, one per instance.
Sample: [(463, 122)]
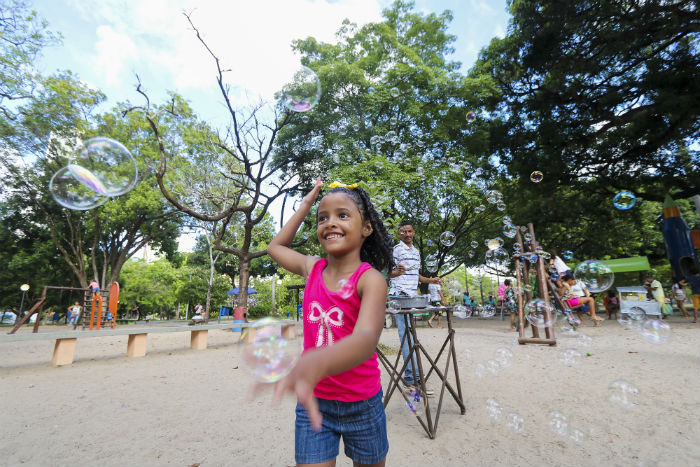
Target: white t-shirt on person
[(434, 290), (560, 265), (678, 291), (409, 258)]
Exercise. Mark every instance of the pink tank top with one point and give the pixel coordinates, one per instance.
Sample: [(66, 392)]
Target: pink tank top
[(329, 317)]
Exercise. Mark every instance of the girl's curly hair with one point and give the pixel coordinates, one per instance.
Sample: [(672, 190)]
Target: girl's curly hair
[(378, 248)]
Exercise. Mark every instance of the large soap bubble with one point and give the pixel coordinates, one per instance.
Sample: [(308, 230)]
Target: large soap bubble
[(597, 276), (77, 188), (624, 200), (448, 238), (540, 313), (268, 351), (303, 91), (109, 162)]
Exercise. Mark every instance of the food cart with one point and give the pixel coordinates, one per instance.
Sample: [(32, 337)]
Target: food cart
[(636, 297)]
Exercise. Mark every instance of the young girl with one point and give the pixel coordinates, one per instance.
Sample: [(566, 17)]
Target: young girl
[(575, 301), (337, 380)]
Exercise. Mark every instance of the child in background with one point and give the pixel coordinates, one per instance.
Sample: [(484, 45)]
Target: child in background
[(612, 304), (679, 296), (337, 379), (575, 301)]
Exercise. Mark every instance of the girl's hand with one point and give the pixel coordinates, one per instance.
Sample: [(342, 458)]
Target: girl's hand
[(301, 382), (311, 196)]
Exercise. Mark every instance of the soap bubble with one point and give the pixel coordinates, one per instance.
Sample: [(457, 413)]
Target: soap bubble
[(624, 200), (501, 206), (394, 305), (268, 353), (371, 90), (570, 357), (510, 230), (71, 192), (568, 254), (632, 318), (467, 311), (395, 92), (110, 163), (493, 196), (479, 370), (515, 423), (493, 408), (494, 243), (655, 331), (576, 435), (431, 267), (497, 258), (536, 176), (479, 209), (303, 91), (504, 357), (471, 116), (430, 242), (623, 394), (471, 253), (415, 400), (493, 366), (536, 312), (558, 423), (474, 244), (584, 340), (447, 238), (488, 311), (597, 276)]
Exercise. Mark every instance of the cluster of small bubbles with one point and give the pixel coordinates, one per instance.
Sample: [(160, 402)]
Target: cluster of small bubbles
[(303, 91), (623, 394), (268, 354), (559, 423), (494, 410), (510, 230), (448, 238), (624, 200), (570, 357), (415, 400), (539, 313), (596, 275), (504, 357), (471, 116), (102, 168), (536, 176), (568, 254), (395, 92), (515, 423)]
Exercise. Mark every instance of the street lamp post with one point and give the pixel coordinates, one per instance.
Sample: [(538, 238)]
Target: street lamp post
[(23, 288)]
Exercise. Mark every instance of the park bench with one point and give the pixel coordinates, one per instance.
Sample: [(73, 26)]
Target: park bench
[(64, 350)]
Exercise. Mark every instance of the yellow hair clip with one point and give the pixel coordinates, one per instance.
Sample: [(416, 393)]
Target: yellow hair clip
[(337, 184)]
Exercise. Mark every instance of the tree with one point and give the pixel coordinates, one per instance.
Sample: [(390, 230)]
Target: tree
[(393, 116), (22, 36), (96, 243), (599, 96), (226, 180)]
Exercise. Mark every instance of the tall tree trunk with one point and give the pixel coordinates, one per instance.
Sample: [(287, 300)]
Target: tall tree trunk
[(243, 283)]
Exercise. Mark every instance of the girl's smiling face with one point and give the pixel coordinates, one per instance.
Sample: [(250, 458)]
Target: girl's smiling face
[(341, 227)]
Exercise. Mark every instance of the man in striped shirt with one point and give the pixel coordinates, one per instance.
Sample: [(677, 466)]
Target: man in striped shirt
[(404, 281)]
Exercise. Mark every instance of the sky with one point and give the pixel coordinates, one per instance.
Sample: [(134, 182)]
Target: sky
[(108, 42)]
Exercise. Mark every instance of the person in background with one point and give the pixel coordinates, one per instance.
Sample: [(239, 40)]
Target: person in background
[(560, 266), (679, 296), (612, 304), (693, 280), (654, 287), (74, 313), (437, 299), (577, 297), (509, 303), (492, 301), (94, 286)]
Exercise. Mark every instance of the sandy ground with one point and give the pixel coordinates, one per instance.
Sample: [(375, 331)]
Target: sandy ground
[(183, 407)]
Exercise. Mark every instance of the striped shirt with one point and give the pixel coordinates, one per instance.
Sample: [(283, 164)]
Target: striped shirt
[(407, 282)]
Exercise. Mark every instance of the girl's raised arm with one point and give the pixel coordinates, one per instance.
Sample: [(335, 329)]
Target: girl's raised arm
[(279, 250)]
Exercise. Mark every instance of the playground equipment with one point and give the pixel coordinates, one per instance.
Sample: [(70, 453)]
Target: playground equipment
[(95, 301), (522, 269)]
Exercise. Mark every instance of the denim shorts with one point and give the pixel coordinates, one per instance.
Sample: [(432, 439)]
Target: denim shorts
[(362, 425)]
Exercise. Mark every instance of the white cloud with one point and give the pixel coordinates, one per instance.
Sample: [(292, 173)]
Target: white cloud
[(253, 39)]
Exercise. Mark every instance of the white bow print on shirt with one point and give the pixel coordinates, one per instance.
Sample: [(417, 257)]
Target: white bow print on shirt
[(332, 317)]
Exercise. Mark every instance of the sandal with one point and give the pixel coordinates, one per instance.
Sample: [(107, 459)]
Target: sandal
[(430, 324)]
